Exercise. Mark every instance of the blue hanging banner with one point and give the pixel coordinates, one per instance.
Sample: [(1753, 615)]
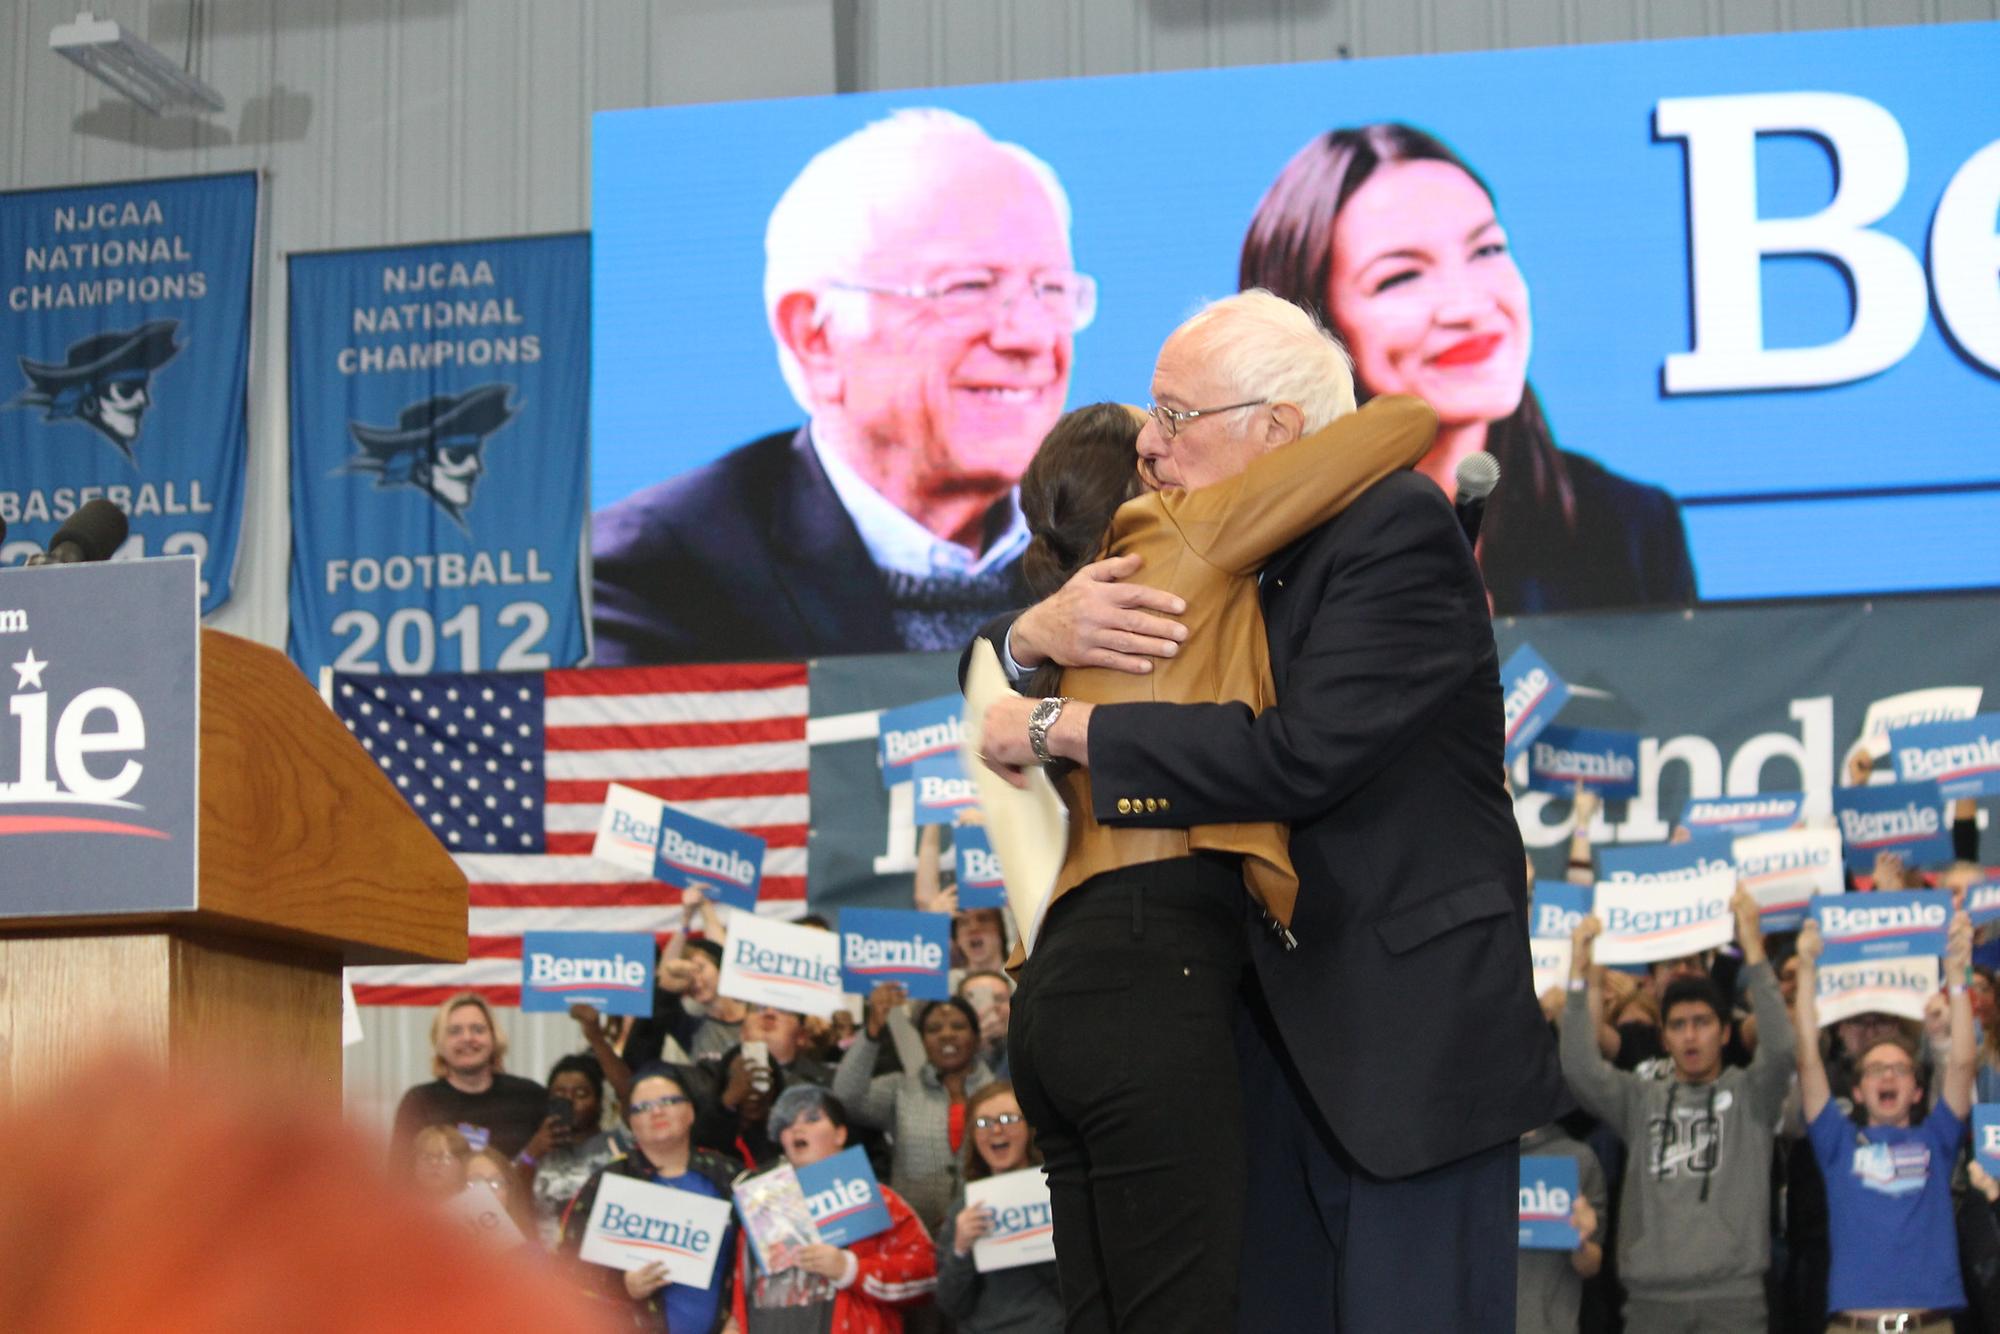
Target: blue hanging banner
[(126, 326), (440, 450)]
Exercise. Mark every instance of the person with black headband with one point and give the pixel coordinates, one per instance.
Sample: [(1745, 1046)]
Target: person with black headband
[(1694, 1235)]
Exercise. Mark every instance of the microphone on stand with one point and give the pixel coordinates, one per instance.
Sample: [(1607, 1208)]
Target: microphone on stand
[(1477, 475), (96, 530)]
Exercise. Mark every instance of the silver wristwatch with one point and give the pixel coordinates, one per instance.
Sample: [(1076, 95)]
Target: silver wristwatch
[(1039, 722)]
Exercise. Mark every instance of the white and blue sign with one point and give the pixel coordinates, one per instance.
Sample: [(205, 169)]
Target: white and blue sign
[(1785, 870), (1661, 863), (1533, 694), (1562, 757), (97, 773), (440, 446), (1982, 903), (1904, 818), (1986, 1136), (980, 881), (1962, 757), (126, 325), (1549, 1189), (942, 788), (921, 731), (611, 971), (1555, 907), (728, 863), (1866, 927), (880, 945), (843, 1197), (1763, 813)]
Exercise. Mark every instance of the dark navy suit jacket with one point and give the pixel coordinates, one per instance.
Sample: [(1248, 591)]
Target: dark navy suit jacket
[(1408, 1006), (750, 558)]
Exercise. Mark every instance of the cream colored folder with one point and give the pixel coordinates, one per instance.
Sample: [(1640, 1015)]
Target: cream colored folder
[(1028, 827)]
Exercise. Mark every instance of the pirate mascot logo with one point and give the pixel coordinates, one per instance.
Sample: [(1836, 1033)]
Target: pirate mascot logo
[(434, 446), (105, 382)]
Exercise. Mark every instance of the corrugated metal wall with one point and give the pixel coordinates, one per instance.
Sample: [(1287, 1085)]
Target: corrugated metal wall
[(387, 121)]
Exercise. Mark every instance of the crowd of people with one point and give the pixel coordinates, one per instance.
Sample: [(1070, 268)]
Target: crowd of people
[(1740, 1167), (709, 1091)]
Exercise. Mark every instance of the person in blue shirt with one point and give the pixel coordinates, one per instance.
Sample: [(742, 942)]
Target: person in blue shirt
[(1888, 1166), (661, 1116)]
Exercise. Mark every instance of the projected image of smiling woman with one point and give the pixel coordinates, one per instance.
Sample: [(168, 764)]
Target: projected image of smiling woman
[(1395, 243)]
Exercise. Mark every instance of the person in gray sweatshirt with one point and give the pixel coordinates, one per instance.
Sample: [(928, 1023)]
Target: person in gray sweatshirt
[(1694, 1236)]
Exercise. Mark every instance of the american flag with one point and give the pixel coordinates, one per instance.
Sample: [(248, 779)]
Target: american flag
[(510, 770)]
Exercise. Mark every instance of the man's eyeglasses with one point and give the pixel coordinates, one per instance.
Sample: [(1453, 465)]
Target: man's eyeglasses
[(974, 296), (995, 1122), (1170, 421), (1877, 1069), (665, 1102)]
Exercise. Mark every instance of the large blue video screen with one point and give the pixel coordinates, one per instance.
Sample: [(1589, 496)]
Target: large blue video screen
[(1727, 309)]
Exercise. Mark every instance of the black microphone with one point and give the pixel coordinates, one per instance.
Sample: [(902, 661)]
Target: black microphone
[(96, 530), (1477, 475)]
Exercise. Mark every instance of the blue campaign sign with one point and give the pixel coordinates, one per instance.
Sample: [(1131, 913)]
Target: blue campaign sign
[(843, 1198), (916, 732), (980, 883), (611, 970), (1534, 694), (1858, 928), (1729, 266), (1548, 1193), (440, 429), (895, 945), (1764, 813), (1904, 818), (1660, 863), (942, 788), (1982, 903), (1555, 907), (1986, 1136), (126, 326), (1562, 757), (729, 862), (1962, 757), (97, 750)]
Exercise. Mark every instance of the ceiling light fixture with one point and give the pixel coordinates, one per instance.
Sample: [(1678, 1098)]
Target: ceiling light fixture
[(139, 71)]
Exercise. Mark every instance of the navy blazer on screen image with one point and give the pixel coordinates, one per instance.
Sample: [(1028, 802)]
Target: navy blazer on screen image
[(1408, 1006)]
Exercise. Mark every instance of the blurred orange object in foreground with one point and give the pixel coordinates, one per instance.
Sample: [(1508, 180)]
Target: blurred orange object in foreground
[(129, 1201)]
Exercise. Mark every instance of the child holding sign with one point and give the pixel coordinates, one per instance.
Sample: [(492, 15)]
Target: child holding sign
[(1888, 1181), (863, 1286), (1021, 1298)]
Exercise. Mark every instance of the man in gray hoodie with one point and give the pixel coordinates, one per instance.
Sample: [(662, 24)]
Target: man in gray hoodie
[(1694, 1235)]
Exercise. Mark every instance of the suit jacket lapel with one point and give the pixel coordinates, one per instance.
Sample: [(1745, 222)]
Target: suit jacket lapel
[(820, 562)]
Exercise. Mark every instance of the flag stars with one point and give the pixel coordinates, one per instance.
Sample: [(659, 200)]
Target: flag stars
[(346, 691), (451, 695)]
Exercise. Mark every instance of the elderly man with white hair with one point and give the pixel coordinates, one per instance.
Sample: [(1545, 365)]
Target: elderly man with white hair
[(1389, 1043), (920, 290)]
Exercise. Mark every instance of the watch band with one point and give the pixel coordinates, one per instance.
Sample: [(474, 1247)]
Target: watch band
[(1039, 722)]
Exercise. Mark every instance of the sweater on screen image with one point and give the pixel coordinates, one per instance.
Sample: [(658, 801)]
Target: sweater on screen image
[(1695, 1220)]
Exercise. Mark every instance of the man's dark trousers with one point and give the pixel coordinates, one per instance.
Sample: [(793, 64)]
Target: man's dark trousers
[(1328, 1247)]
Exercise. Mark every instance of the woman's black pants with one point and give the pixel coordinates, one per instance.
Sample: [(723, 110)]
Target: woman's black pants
[(1123, 1056)]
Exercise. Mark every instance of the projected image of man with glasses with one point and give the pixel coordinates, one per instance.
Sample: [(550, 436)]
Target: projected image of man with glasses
[(924, 303)]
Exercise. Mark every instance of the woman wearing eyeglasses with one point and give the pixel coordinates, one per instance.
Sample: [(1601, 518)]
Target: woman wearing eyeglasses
[(661, 1116), (489, 1169), (437, 1161), (1023, 1300)]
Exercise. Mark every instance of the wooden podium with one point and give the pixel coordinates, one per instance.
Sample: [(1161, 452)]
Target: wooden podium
[(308, 859)]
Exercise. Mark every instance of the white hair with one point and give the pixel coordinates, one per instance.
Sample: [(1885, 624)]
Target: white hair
[(1269, 348), (825, 222)]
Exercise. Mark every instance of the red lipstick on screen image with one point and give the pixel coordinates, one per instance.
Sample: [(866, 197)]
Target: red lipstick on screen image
[(1469, 351)]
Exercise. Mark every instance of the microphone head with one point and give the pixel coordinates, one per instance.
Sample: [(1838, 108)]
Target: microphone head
[(98, 528), (1477, 475)]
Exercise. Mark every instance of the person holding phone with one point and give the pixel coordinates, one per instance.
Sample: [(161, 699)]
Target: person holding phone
[(578, 1145)]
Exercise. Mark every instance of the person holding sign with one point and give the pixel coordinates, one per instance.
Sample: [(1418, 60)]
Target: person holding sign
[(1694, 1235), (1365, 710), (862, 1288), (661, 1116), (1548, 1297), (1888, 1180), (1022, 1300)]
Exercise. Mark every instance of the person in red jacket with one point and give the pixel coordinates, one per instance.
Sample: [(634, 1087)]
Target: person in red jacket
[(869, 1283)]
